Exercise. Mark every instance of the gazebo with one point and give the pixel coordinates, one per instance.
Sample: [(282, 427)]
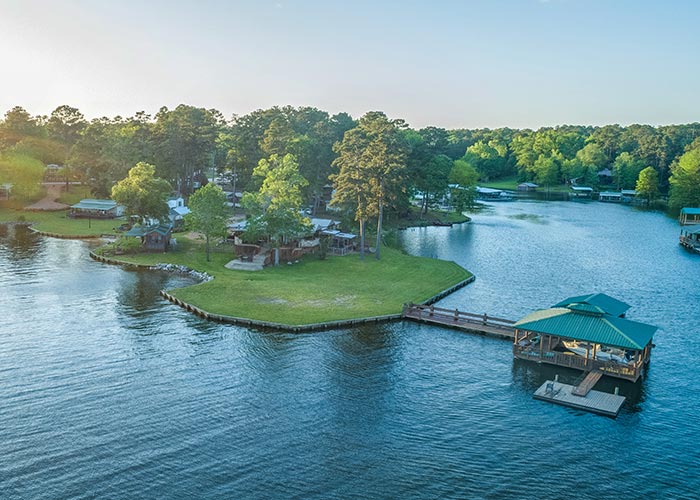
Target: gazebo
[(586, 332), (154, 238)]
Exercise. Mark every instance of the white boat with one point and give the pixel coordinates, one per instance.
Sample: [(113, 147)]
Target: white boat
[(602, 353)]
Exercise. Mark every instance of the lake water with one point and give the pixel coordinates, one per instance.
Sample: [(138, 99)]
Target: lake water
[(108, 391)]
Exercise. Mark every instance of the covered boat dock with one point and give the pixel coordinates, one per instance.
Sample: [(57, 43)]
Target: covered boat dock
[(586, 332)]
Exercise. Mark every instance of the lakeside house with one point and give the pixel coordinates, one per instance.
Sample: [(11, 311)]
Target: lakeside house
[(154, 237), (605, 176), (586, 332), (96, 209), (688, 216)]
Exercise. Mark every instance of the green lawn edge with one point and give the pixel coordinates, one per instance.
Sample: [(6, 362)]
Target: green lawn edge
[(312, 290), (58, 223)]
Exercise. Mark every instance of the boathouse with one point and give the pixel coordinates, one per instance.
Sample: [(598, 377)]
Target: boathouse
[(527, 186), (689, 216), (154, 238), (587, 332), (581, 192), (610, 196), (96, 209), (690, 237)]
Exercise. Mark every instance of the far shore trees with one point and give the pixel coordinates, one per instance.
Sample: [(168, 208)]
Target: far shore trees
[(208, 213), (685, 181), (648, 184), (275, 210), (142, 193), (372, 163)]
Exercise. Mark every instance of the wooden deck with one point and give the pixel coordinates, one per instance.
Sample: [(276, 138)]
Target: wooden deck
[(601, 403), (468, 322), (587, 384)]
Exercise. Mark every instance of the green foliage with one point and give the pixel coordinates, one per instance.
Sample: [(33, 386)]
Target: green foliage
[(275, 209), (208, 213), (372, 162), (25, 175), (465, 176), (685, 181), (648, 184), (142, 193), (626, 170)]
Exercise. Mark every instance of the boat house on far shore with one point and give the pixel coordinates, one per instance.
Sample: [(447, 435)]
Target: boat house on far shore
[(589, 333)]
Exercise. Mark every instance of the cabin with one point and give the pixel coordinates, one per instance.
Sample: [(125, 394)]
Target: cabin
[(588, 333), (690, 238), (581, 192), (689, 216), (610, 197), (154, 238), (96, 209), (527, 186), (605, 176)]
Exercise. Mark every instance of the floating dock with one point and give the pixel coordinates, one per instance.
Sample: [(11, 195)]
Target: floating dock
[(601, 403)]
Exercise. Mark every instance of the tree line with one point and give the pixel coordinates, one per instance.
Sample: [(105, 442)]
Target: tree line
[(375, 164)]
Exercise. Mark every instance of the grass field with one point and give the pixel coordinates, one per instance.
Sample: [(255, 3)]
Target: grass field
[(59, 223), (313, 290)]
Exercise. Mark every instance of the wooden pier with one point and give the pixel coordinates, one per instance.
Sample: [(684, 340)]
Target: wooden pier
[(460, 320), (601, 403)]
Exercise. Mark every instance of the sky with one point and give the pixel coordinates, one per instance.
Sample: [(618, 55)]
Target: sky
[(452, 64)]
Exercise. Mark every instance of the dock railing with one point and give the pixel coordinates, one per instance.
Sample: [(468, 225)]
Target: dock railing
[(443, 315)]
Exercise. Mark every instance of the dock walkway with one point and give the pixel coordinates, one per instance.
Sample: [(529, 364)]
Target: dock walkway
[(465, 321), (587, 384)]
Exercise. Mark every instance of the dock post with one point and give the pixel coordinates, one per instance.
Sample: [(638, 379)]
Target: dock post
[(617, 391), (456, 314), (485, 319), (432, 309), (556, 378)]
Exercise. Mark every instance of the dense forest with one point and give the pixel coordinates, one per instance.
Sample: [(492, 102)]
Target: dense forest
[(189, 144)]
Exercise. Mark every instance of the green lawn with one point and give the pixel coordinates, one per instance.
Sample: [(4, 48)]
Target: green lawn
[(74, 194), (59, 223), (313, 290)]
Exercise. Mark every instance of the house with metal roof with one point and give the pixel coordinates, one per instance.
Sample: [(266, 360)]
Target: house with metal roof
[(154, 238), (586, 332), (689, 216), (96, 209)]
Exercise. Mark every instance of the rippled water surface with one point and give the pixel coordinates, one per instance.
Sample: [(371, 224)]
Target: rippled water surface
[(108, 391)]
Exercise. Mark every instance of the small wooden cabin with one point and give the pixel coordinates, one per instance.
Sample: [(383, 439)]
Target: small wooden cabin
[(689, 216), (589, 333), (154, 238)]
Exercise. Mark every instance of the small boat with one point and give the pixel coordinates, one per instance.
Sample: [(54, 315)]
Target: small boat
[(603, 353)]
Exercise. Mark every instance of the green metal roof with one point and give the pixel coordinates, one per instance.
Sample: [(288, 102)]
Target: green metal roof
[(139, 231), (91, 204), (690, 211), (604, 302), (597, 328)]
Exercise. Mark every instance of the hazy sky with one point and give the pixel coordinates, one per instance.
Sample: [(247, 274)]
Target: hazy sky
[(490, 63)]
